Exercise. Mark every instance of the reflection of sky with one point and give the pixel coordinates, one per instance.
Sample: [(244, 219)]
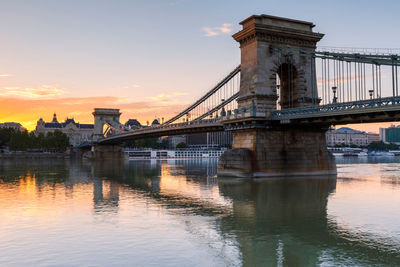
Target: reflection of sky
[(161, 213), (81, 54), (365, 201)]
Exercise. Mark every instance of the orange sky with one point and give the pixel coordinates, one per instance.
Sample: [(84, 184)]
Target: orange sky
[(27, 111)]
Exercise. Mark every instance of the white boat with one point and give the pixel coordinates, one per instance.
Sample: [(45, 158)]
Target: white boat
[(381, 154), (347, 152), (395, 152), (172, 154)]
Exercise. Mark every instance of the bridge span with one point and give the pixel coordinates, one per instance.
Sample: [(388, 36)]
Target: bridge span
[(165, 130), (280, 100)]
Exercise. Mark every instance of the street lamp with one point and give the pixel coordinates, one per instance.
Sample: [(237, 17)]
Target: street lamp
[(371, 92), (334, 88)]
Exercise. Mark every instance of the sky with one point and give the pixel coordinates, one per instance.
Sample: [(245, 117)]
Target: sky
[(149, 58)]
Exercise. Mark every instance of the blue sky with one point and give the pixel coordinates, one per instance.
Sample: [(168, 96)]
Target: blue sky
[(155, 51)]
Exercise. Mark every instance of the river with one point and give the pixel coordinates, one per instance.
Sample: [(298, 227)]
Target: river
[(177, 213)]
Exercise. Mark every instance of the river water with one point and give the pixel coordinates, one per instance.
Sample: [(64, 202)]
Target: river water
[(177, 213)]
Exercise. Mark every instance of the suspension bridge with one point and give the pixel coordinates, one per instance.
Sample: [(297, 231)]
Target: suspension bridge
[(281, 99)]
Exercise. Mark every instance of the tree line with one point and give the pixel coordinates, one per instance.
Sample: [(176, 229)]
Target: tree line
[(373, 146), (56, 141)]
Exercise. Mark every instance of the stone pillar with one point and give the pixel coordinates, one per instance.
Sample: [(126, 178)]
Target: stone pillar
[(104, 116), (102, 152), (269, 47), (285, 151)]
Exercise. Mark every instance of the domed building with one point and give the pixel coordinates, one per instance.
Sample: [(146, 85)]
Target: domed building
[(155, 123), (133, 124)]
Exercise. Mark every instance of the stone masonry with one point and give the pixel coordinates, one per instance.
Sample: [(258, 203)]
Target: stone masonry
[(267, 44)]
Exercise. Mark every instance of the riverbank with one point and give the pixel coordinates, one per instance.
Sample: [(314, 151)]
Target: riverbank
[(33, 155)]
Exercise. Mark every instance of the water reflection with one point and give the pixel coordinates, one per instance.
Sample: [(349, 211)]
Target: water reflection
[(369, 159), (136, 210), (279, 222)]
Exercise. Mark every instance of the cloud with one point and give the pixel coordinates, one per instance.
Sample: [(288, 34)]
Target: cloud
[(45, 91), (209, 32), (168, 98), (5, 75), (215, 31), (132, 86), (226, 28)]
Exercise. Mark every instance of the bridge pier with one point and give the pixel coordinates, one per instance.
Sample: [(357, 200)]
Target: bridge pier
[(286, 151), (100, 152)]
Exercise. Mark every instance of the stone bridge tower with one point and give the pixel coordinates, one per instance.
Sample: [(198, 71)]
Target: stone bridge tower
[(269, 52), (276, 55), (105, 116)]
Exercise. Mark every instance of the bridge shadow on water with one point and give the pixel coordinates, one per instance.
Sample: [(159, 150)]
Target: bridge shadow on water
[(272, 221)]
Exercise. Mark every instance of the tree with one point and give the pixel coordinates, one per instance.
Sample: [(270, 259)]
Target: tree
[(19, 141), (5, 136), (54, 141), (147, 143), (181, 145), (381, 146)]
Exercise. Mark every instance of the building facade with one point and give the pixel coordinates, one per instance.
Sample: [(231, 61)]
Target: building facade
[(346, 136), (175, 140), (77, 132), (390, 135), (373, 137), (12, 125), (220, 139)]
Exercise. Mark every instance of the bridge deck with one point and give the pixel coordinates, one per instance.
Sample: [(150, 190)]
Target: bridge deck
[(166, 130), (374, 110)]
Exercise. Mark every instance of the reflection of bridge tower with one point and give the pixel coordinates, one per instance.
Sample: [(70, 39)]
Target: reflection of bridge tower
[(110, 201), (261, 146), (286, 220)]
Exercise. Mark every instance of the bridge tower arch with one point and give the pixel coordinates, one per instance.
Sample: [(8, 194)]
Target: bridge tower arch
[(276, 55), (286, 84), (102, 117), (267, 45)]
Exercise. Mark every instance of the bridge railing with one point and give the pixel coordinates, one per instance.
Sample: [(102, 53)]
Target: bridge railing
[(342, 75), (336, 109)]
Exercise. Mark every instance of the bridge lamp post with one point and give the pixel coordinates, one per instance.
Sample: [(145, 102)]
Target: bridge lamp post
[(371, 92), (223, 112), (334, 88)]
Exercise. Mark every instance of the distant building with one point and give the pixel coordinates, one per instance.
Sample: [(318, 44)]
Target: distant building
[(133, 124), (173, 140), (373, 137), (346, 136), (155, 123), (221, 139), (12, 125), (77, 132), (390, 135)]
